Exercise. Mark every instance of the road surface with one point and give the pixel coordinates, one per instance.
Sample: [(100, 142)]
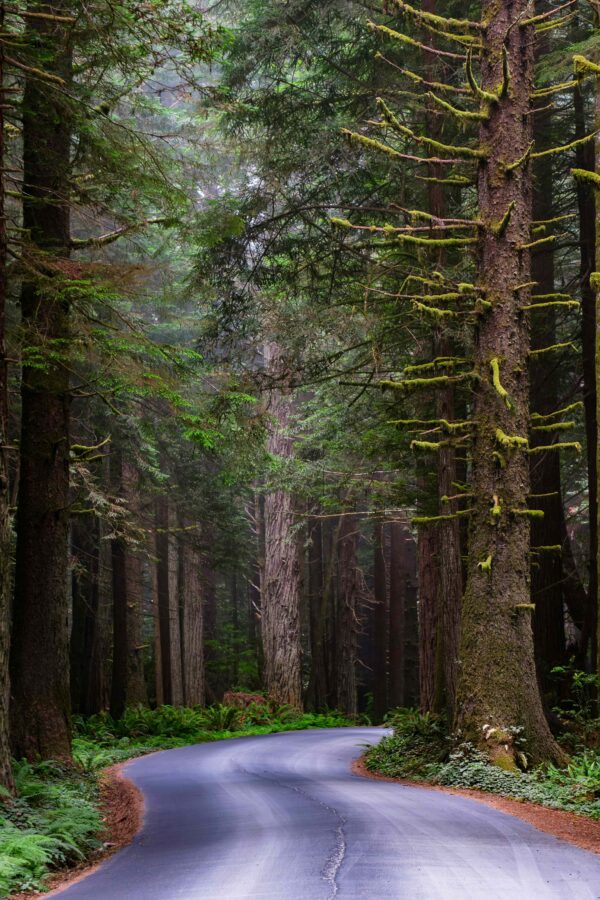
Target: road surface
[(281, 817)]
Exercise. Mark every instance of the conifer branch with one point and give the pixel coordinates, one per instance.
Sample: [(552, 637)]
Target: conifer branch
[(391, 120), (419, 45)]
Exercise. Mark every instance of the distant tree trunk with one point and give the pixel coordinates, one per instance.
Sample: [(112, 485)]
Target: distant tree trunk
[(6, 779), (209, 607), (136, 684), (428, 618), (192, 598), (397, 610), (380, 615), (85, 538), (547, 578), (498, 687), (40, 705), (162, 587), (175, 613), (347, 614), (118, 691), (317, 686), (158, 681), (587, 248), (282, 566)]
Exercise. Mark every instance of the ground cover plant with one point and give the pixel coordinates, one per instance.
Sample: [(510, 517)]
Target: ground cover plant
[(55, 821), (421, 749)]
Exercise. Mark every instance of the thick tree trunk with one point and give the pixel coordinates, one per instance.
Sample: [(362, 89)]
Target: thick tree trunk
[(498, 689), (348, 615), (404, 650), (6, 779), (587, 248), (282, 566), (546, 492), (380, 630), (192, 598), (40, 706), (118, 690)]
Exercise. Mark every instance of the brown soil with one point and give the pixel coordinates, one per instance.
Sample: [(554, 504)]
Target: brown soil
[(122, 806), (578, 830)]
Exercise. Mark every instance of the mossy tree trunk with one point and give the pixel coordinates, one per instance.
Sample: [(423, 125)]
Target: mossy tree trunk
[(347, 614), (280, 609), (498, 689), (40, 695)]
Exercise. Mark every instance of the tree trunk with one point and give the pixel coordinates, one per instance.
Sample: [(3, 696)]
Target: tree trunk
[(40, 706), (347, 614), (118, 690), (404, 653), (282, 566), (175, 613), (587, 248), (428, 617), (546, 492), (498, 689), (162, 589), (380, 615), (192, 598), (317, 686)]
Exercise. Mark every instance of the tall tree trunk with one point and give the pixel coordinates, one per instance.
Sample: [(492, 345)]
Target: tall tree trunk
[(136, 684), (175, 613), (348, 614), (85, 539), (192, 599), (546, 491), (380, 615), (158, 680), (6, 779), (587, 248), (40, 707), (118, 690), (428, 617), (282, 566), (317, 686), (498, 689), (404, 639), (162, 589)]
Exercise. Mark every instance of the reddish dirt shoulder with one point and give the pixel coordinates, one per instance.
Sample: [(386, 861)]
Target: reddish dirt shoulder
[(578, 830), (122, 806)]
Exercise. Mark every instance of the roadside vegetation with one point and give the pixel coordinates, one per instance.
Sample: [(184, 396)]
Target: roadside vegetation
[(421, 749), (55, 819)]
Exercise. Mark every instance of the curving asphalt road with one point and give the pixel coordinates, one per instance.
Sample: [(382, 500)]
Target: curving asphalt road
[(281, 817)]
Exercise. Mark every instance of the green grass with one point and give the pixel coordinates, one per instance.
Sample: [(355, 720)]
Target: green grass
[(420, 749), (55, 821)]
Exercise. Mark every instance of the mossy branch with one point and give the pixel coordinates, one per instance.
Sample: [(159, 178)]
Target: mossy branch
[(462, 114), (559, 445), (472, 82), (531, 244), (555, 426), (443, 362), (500, 390), (456, 150), (442, 22), (563, 148), (486, 565), (432, 520), (510, 441), (587, 177), (564, 345), (584, 68), (548, 303), (528, 513), (539, 417), (444, 424), (513, 166), (547, 548), (405, 39), (498, 229)]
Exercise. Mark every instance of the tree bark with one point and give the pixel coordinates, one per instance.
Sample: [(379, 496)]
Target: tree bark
[(380, 615), (317, 686), (175, 612), (498, 689), (347, 615), (428, 618), (162, 589), (40, 704), (192, 598), (282, 565)]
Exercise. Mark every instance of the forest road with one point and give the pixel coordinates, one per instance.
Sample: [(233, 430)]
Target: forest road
[(282, 817)]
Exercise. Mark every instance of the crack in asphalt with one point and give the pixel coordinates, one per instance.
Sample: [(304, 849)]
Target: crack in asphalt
[(334, 861)]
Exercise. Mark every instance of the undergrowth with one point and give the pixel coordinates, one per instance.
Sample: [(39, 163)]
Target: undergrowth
[(54, 820), (420, 749)]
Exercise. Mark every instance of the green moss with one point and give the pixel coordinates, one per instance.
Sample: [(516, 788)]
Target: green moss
[(517, 163), (557, 426), (528, 513), (430, 446), (583, 67), (461, 114), (430, 520), (552, 303), (564, 148), (500, 390), (510, 442), (442, 22), (472, 82), (538, 417), (595, 281), (565, 345), (486, 564), (499, 459), (567, 445), (499, 228), (454, 150)]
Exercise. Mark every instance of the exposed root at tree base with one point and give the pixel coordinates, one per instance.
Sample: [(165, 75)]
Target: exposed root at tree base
[(578, 830), (122, 806)]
